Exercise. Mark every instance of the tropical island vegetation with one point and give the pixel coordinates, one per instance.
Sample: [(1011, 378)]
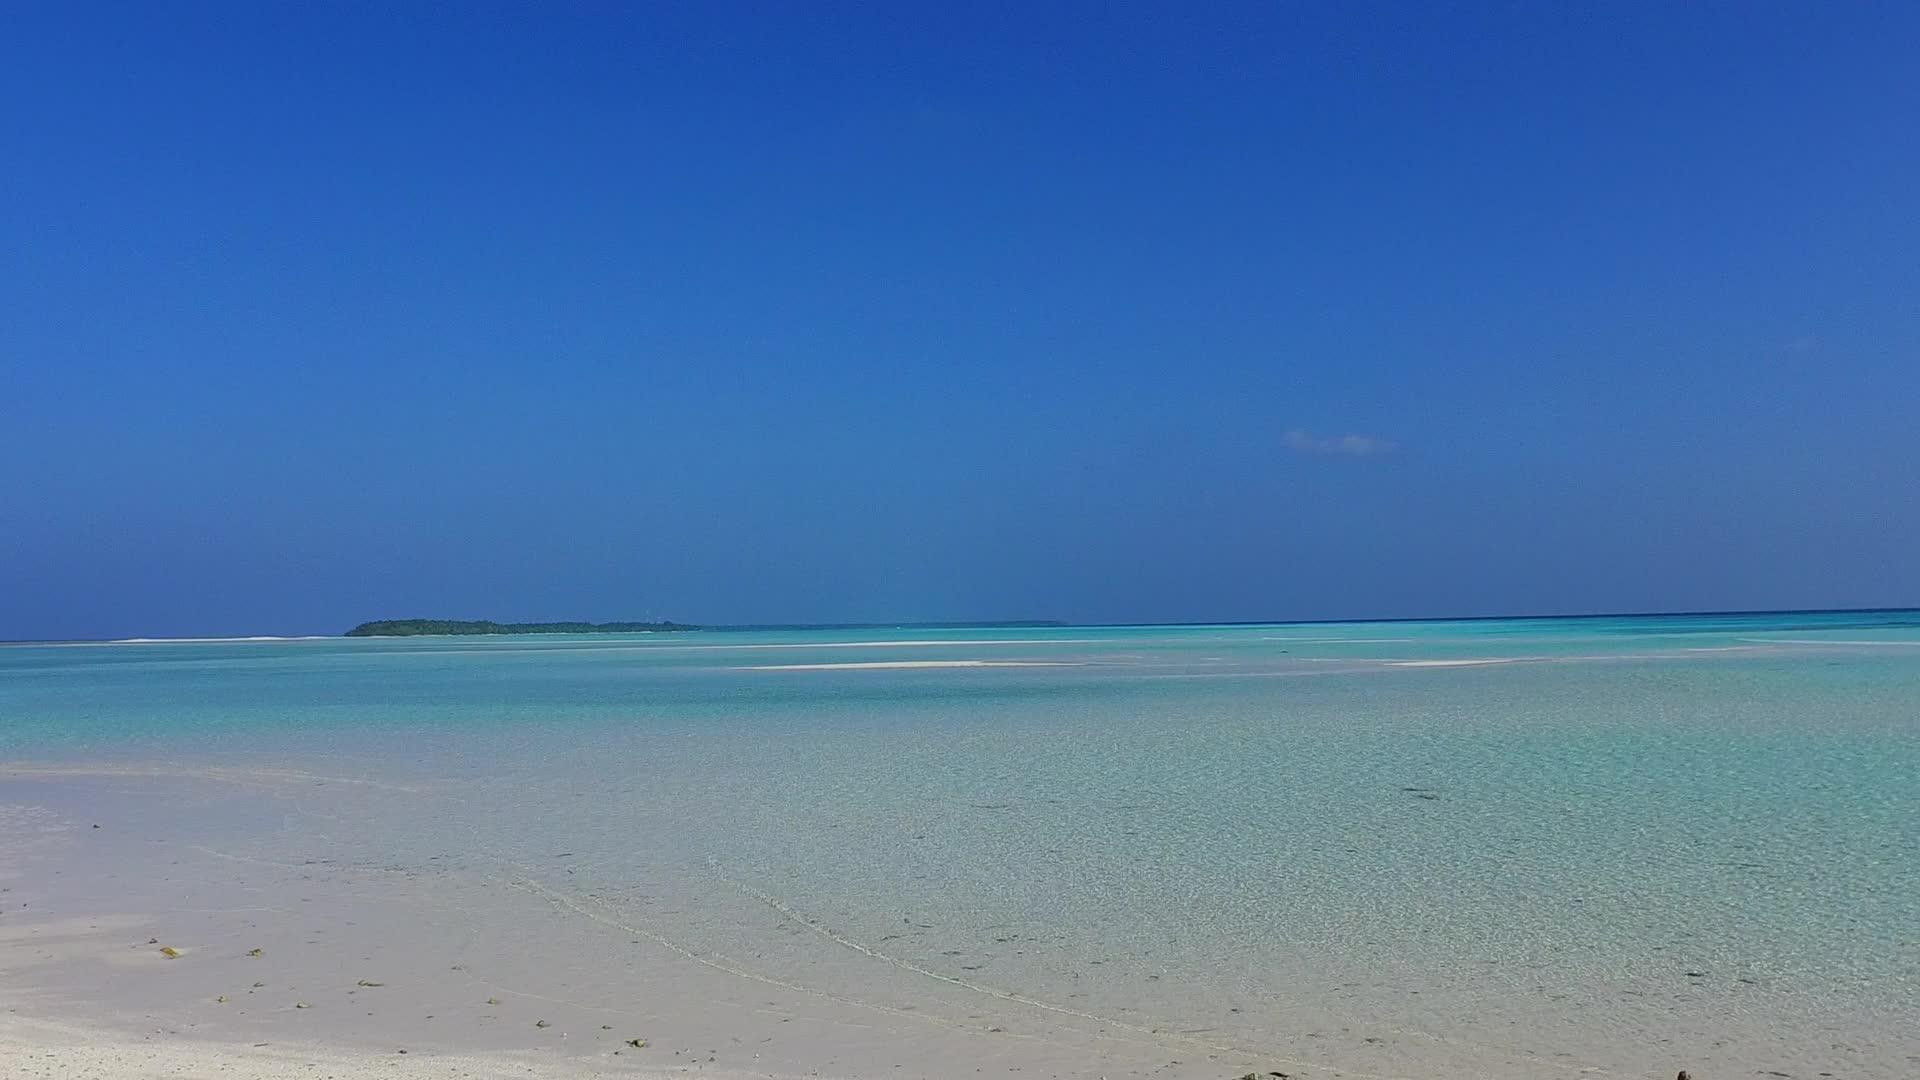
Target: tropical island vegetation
[(421, 627)]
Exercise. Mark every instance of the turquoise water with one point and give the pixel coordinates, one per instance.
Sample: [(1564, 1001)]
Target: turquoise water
[(1510, 837)]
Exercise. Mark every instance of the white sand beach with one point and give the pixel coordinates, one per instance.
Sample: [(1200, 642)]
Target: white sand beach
[(130, 947)]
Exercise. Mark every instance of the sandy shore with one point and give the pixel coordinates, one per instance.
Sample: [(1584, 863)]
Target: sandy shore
[(35, 1049), (137, 942), (228, 920)]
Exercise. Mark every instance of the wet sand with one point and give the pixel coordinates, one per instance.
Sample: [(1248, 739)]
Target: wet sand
[(306, 968)]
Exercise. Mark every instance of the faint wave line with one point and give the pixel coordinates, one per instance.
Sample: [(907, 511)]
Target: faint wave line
[(907, 665), (1819, 641), (994, 992), (725, 964), (227, 774)]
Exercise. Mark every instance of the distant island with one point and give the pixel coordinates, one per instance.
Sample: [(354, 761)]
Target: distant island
[(422, 627)]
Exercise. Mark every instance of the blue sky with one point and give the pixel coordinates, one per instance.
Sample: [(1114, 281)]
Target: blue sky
[(802, 312)]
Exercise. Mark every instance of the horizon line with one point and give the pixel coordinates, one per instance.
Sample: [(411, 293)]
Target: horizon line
[(1028, 623)]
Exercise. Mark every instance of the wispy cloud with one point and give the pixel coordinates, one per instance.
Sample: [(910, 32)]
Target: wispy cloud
[(1364, 446)]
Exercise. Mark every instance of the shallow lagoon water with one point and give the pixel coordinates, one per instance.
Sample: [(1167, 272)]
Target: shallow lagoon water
[(1577, 844)]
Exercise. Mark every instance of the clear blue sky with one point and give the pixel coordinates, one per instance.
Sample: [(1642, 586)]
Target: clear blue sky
[(317, 313)]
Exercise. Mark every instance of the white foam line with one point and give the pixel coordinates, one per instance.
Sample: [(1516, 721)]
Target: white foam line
[(209, 640), (896, 665), (888, 644), (1458, 663), (1343, 640), (1250, 674), (260, 639)]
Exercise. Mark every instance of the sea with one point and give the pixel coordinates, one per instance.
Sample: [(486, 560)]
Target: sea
[(1552, 840)]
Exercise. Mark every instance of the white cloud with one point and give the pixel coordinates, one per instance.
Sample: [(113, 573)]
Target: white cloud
[(1364, 446)]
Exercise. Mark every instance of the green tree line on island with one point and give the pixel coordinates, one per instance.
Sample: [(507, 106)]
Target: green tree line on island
[(421, 627)]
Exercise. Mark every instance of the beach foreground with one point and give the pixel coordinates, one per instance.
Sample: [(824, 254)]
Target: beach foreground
[(32, 1049), (1430, 851), (133, 946)]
